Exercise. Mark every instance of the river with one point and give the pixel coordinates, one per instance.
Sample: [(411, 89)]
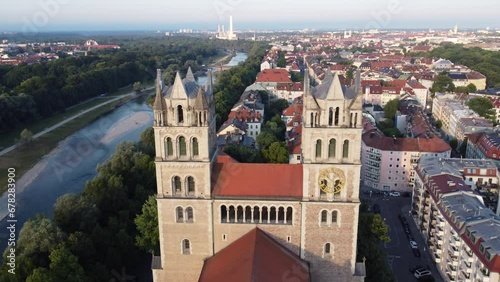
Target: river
[(67, 168), (238, 58)]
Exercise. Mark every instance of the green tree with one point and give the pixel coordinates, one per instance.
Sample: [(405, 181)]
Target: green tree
[(439, 123), (243, 154), (64, 266), (26, 136), (483, 107), (137, 86), (391, 108), (276, 153), (443, 83), (40, 275), (453, 143), (379, 229), (265, 139), (281, 60), (147, 225)]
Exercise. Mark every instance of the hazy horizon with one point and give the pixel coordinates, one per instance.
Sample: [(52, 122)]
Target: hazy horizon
[(113, 15)]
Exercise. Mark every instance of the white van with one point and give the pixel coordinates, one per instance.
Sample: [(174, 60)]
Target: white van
[(421, 272)]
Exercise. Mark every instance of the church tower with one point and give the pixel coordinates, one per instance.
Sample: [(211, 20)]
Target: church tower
[(184, 129), (331, 138)]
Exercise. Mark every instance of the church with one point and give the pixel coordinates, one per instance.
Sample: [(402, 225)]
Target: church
[(221, 220)]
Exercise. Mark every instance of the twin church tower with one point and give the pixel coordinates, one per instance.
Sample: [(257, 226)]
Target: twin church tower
[(220, 220)]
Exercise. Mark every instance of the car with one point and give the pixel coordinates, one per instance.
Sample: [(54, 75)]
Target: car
[(407, 230), (376, 208), (415, 267), (416, 253), (395, 194), (410, 237), (413, 244), (402, 217), (421, 273)]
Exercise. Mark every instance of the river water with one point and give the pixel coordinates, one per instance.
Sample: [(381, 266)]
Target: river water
[(72, 164), (238, 58)]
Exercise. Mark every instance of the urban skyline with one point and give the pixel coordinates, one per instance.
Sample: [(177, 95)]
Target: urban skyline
[(66, 15)]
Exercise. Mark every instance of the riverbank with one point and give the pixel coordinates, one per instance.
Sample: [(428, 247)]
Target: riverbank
[(131, 122), (26, 158)]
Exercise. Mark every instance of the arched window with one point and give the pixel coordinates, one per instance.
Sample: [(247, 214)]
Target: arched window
[(327, 250), (355, 119), (281, 215), (330, 117), (196, 151), (248, 214), (179, 214), (265, 215), (169, 147), (332, 147), (337, 113), (256, 214), (223, 214), (318, 149), (190, 186), (312, 120), (189, 215), (272, 216), (182, 146), (177, 186), (335, 216), (289, 215), (345, 153), (352, 120), (180, 114), (239, 215), (186, 247), (232, 214), (199, 119), (324, 217)]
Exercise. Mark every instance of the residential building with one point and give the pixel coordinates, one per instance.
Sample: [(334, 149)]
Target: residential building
[(460, 233), (389, 162)]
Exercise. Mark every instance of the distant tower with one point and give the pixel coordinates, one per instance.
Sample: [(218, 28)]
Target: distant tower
[(231, 25), (455, 31)]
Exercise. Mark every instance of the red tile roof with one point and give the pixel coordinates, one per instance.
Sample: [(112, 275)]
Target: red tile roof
[(405, 144), (257, 180), (254, 257), (273, 75), (293, 110)]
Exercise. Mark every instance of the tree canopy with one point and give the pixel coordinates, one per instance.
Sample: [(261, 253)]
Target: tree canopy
[(443, 83), (391, 108), (483, 107)]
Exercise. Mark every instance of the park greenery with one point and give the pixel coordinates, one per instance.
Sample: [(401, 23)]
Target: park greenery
[(30, 92), (93, 233), (483, 107), (372, 231), (388, 126), (478, 59), (442, 84)]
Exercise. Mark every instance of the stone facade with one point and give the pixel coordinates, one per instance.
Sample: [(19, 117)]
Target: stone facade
[(320, 227)]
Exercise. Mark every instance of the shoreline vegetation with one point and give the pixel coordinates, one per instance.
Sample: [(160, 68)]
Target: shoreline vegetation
[(26, 158)]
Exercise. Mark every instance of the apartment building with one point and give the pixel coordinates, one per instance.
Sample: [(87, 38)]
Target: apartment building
[(460, 232)]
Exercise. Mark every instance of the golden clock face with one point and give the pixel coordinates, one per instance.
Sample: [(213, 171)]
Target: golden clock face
[(331, 180)]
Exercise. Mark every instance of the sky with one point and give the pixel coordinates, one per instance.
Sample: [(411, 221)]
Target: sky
[(72, 15)]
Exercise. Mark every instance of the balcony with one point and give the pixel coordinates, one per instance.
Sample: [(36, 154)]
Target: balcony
[(466, 266), (465, 276), (437, 258)]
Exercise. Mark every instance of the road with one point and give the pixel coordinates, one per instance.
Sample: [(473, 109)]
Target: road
[(49, 129), (400, 256)]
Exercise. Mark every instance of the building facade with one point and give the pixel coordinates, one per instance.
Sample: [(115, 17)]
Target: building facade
[(460, 232), (207, 201)]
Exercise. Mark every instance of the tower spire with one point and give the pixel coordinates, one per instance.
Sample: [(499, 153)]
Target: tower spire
[(190, 75), (160, 105)]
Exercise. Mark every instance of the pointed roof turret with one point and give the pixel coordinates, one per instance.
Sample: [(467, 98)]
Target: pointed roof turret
[(160, 104), (177, 91), (201, 101), (190, 75), (357, 82), (209, 84)]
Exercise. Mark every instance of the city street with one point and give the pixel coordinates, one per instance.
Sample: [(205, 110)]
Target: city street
[(400, 256)]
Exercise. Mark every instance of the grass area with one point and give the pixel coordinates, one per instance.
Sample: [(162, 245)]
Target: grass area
[(8, 139), (23, 158)]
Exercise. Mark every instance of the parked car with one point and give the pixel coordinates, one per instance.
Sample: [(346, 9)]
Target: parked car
[(415, 267), (416, 253), (421, 273), (410, 237), (413, 245), (395, 194), (402, 217), (407, 230)]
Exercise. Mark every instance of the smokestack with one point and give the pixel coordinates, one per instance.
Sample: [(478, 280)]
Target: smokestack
[(230, 24)]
